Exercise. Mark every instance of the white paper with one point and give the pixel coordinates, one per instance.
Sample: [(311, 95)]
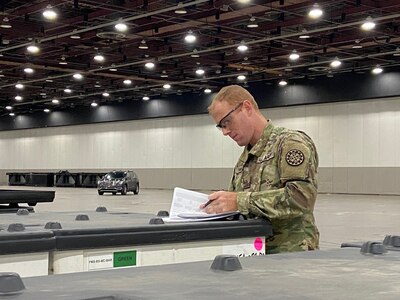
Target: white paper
[(185, 207)]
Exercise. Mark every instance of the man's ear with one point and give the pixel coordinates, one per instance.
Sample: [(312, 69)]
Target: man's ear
[(248, 107)]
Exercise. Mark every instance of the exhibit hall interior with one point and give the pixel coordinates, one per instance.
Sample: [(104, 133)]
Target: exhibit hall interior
[(176, 148)]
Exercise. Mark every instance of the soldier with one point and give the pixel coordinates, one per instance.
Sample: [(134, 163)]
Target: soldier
[(275, 176)]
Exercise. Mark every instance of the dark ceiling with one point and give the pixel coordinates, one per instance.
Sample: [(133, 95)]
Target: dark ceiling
[(220, 27)]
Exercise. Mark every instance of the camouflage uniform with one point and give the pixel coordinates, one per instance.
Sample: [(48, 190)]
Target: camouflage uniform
[(276, 179)]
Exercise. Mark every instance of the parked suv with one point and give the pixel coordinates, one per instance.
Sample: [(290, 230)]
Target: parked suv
[(119, 182)]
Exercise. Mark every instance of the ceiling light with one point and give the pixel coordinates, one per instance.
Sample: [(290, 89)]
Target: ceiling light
[(146, 98), (357, 45), (241, 77), (5, 23), (304, 34), (105, 94), (93, 104), (68, 91), (12, 114), (336, 63), (75, 35), (166, 86), (180, 10), (121, 27), (242, 47), (149, 65), (397, 52), (127, 81), (77, 76), (294, 55), (63, 60), (99, 58), (46, 110), (315, 12), (164, 74), (33, 49), (252, 23), (190, 37), (28, 70), (200, 71), (97, 84), (368, 24), (194, 53), (18, 98), (207, 91), (377, 70), (49, 13), (143, 45), (8, 107), (329, 75), (282, 82), (19, 86), (113, 69), (55, 101)]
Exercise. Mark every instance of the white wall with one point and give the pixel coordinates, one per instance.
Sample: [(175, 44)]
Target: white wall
[(354, 134)]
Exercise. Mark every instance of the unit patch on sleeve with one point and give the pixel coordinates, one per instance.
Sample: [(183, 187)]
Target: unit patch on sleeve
[(294, 157)]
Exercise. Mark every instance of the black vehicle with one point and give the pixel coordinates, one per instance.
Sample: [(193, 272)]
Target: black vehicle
[(119, 182)]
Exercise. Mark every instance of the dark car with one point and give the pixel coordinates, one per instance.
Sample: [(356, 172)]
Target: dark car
[(119, 182)]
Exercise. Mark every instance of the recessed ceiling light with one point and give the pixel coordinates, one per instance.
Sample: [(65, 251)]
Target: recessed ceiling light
[(143, 45), (50, 13), (166, 86), (12, 114), (127, 81), (5, 23), (149, 65), (77, 76), (164, 74), (105, 94), (75, 35), (28, 70), (8, 107), (207, 91), (377, 70), (241, 77), (283, 82), (146, 98), (190, 37), (99, 58), (33, 49), (19, 86), (294, 55), (63, 61), (242, 47), (68, 91), (368, 25), (93, 104), (315, 12), (194, 53), (200, 71), (18, 98), (121, 27), (336, 63), (180, 10), (46, 110), (55, 101), (252, 23)]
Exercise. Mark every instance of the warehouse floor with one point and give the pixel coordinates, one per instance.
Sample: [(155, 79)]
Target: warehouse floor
[(340, 218)]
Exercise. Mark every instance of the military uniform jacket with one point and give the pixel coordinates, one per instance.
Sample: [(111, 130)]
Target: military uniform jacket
[(276, 179)]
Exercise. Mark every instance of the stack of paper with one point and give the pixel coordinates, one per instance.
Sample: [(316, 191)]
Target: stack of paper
[(185, 207)]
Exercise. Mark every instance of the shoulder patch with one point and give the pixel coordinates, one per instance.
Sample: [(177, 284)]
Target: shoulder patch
[(294, 157)]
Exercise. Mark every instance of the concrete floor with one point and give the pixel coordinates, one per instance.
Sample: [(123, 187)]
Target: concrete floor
[(340, 218)]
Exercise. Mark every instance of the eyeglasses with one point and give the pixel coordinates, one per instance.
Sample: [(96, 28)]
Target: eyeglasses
[(226, 120)]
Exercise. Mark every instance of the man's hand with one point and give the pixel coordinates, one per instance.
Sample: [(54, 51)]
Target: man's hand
[(221, 202)]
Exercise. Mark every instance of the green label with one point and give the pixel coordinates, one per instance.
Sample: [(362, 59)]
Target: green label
[(124, 259)]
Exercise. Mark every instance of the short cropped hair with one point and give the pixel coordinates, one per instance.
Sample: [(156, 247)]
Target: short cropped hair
[(233, 94)]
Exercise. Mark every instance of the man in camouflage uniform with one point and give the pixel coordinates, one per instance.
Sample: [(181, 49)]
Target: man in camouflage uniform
[(275, 177)]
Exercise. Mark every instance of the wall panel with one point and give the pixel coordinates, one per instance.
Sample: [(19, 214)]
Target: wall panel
[(358, 144)]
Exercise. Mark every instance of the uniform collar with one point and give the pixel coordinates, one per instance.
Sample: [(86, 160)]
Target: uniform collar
[(259, 147)]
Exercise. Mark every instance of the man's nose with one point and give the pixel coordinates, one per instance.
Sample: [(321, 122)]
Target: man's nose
[(225, 131)]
